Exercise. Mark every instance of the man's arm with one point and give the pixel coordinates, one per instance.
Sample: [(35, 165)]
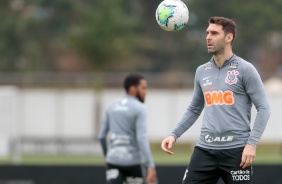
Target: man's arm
[(102, 135), (192, 112), (143, 143), (255, 89), (189, 117), (141, 136)]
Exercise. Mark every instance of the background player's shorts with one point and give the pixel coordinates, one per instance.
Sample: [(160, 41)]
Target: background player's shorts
[(207, 166), (125, 174)]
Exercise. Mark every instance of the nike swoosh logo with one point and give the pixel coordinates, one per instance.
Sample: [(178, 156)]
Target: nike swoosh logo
[(206, 78)]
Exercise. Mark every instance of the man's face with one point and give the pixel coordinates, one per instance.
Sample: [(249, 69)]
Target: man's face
[(215, 39), (141, 90)]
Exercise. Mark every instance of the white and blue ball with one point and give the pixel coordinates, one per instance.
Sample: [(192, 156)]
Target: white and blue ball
[(172, 15)]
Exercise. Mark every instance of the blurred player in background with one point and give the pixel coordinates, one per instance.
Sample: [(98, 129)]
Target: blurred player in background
[(226, 86), (125, 122)]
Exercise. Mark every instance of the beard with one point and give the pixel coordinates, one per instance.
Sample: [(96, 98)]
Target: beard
[(140, 98), (215, 52), (218, 48)]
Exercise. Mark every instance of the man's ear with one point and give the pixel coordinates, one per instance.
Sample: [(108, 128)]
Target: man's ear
[(229, 38), (132, 90)]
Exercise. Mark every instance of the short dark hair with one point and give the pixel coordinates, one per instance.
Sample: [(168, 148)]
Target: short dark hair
[(132, 79), (228, 25)]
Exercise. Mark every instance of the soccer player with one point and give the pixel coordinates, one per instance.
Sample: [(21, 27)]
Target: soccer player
[(125, 122), (226, 87)]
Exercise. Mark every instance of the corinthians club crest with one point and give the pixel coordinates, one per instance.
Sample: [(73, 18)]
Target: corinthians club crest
[(231, 77)]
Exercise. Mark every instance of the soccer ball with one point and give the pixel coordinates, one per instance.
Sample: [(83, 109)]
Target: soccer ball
[(172, 15)]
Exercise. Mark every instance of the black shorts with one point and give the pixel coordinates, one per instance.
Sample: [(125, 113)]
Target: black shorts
[(125, 174), (207, 166)]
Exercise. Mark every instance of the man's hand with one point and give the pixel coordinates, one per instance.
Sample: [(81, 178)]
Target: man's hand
[(151, 176), (167, 144), (248, 156)]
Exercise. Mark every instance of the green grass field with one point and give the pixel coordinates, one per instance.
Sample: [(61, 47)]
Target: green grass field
[(266, 154)]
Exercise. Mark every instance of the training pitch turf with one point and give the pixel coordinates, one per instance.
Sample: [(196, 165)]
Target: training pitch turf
[(266, 154)]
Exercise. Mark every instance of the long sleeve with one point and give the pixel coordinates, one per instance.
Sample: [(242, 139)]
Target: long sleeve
[(255, 90), (192, 112), (102, 136), (142, 139)]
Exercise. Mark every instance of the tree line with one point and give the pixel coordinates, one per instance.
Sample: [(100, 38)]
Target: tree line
[(122, 35)]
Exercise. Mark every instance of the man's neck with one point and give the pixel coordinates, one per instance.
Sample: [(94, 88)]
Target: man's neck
[(219, 59)]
